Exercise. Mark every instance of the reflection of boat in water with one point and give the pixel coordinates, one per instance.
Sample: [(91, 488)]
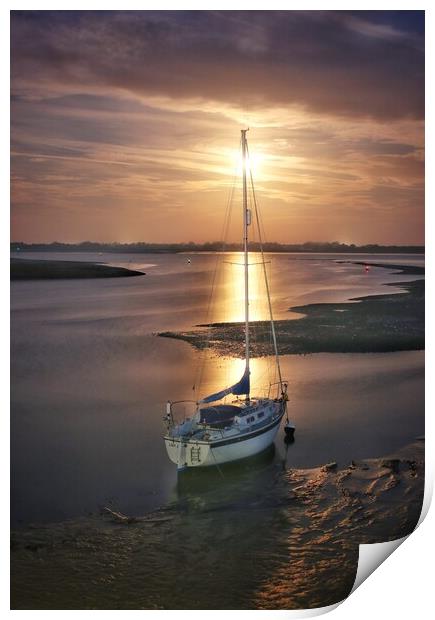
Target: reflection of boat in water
[(192, 480), (225, 432)]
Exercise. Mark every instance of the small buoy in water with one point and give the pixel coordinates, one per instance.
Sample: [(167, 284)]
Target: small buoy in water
[(367, 268), (188, 261), (289, 430)]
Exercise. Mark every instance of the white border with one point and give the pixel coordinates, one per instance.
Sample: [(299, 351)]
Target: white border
[(403, 584)]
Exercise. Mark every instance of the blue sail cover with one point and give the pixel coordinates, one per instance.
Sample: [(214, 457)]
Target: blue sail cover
[(241, 387)]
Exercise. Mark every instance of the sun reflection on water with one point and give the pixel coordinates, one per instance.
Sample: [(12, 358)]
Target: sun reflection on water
[(231, 292), (229, 307), (227, 371)]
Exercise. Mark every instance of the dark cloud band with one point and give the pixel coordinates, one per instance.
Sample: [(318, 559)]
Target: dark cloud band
[(353, 64)]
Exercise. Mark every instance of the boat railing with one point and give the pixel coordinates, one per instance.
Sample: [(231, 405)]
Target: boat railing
[(279, 384), (172, 418)]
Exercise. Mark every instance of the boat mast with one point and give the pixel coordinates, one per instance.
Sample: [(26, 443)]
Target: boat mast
[(263, 262), (246, 222)]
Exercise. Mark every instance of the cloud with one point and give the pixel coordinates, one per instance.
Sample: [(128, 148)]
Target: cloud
[(125, 125), (329, 62)]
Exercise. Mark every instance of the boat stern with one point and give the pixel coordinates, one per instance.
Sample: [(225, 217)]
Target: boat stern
[(187, 453)]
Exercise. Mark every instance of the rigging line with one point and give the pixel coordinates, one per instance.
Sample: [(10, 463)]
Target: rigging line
[(265, 279), (216, 463), (208, 318), (261, 229), (210, 299), (224, 234)]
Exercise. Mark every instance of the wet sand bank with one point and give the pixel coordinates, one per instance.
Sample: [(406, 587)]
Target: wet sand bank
[(29, 269), (291, 547), (377, 323)]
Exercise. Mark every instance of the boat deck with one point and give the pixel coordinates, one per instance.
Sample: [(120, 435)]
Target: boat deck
[(227, 421)]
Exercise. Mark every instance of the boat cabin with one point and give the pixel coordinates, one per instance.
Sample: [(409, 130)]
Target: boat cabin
[(244, 414), (219, 416)]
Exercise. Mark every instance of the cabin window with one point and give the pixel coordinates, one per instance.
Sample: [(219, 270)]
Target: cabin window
[(261, 414)]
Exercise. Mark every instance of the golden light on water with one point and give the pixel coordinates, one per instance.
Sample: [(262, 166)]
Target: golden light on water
[(231, 293), (229, 307), (229, 370)]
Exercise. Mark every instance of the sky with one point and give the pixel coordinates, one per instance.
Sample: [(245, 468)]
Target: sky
[(125, 125)]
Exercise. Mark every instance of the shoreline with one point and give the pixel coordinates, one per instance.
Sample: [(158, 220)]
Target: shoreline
[(377, 324), (412, 270), (141, 247), (30, 269)]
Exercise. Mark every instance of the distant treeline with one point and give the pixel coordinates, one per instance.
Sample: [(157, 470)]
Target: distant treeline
[(214, 246)]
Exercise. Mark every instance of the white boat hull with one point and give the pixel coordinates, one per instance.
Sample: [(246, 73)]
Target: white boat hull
[(193, 453)]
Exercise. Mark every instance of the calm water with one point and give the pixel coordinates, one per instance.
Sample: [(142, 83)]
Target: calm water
[(89, 378)]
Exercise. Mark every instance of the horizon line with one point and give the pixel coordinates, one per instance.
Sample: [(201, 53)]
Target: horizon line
[(207, 243)]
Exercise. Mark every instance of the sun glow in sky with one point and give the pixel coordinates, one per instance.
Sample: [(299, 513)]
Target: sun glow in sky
[(125, 125), (255, 164)]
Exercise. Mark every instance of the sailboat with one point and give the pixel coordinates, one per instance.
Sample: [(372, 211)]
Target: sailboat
[(221, 432)]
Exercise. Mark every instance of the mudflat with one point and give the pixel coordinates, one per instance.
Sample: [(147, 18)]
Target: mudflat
[(29, 269), (376, 323), (292, 547)]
